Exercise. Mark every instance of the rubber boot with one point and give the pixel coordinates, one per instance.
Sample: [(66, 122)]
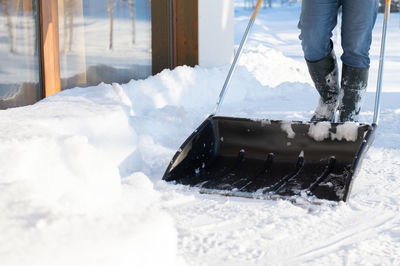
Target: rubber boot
[(353, 86), (324, 73)]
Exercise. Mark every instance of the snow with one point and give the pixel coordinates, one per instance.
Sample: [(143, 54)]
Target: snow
[(63, 201), (347, 131), (287, 127), (320, 131), (80, 173)]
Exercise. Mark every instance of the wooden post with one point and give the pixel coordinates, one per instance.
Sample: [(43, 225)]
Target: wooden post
[(186, 31), (50, 50), (161, 35), (175, 33)]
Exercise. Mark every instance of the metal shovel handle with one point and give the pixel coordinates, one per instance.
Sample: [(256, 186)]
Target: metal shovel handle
[(237, 55), (377, 108)]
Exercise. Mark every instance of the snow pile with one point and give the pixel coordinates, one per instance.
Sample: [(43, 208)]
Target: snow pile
[(267, 64), (62, 200), (185, 90)]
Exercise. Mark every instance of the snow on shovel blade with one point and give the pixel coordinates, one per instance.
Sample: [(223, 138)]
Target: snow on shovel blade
[(272, 157)]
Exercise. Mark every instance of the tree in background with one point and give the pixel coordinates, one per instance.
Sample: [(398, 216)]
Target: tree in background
[(252, 3), (9, 24), (131, 4), (110, 12), (68, 7)]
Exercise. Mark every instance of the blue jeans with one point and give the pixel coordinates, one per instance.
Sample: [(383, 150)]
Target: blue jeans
[(318, 19)]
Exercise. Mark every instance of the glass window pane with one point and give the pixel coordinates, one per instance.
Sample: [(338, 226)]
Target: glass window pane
[(19, 67), (104, 41)]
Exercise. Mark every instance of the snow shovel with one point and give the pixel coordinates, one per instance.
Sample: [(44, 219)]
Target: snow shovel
[(271, 158)]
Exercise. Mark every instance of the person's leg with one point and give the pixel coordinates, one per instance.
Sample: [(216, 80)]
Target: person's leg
[(317, 20), (358, 21), (324, 74)]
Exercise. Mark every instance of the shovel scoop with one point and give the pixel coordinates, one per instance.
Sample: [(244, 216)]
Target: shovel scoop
[(247, 157)]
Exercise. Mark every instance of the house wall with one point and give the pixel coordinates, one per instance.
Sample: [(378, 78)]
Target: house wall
[(216, 32)]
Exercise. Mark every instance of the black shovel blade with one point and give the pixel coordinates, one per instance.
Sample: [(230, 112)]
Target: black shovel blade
[(271, 157)]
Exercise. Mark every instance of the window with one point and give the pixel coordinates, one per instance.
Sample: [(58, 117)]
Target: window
[(50, 45), (104, 41), (19, 53)]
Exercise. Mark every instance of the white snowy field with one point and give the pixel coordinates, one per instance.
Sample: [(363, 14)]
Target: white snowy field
[(80, 172)]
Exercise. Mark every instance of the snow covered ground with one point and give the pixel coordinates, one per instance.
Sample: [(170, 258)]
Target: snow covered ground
[(80, 171)]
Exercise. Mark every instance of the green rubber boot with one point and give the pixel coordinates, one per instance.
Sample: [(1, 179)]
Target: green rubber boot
[(353, 86), (324, 73)]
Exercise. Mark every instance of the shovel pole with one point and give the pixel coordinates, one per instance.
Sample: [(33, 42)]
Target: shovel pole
[(237, 55), (381, 59)]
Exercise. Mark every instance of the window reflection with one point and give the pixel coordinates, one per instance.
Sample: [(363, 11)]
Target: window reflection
[(19, 64), (104, 41)]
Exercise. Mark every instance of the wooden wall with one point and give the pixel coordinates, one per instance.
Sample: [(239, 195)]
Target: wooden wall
[(174, 33), (161, 25), (186, 48)]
